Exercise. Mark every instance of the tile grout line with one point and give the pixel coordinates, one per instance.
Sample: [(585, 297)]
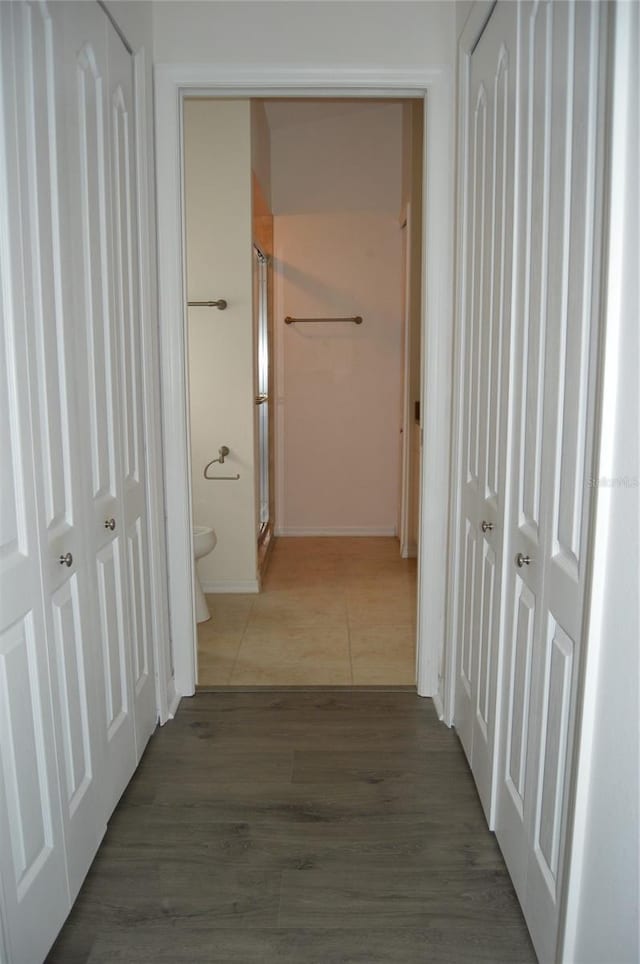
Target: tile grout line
[(242, 635)]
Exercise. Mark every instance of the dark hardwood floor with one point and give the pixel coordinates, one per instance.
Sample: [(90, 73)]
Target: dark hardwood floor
[(308, 827)]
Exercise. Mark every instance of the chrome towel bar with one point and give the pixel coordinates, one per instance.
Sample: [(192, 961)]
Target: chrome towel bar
[(356, 320), (220, 303)]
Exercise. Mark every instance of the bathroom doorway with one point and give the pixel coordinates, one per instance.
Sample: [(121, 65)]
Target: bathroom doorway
[(432, 89), (324, 590)]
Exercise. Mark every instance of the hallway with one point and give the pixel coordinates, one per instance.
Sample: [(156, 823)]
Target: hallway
[(303, 827), (333, 612)]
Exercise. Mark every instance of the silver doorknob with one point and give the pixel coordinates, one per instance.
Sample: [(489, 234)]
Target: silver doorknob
[(486, 526), (66, 560), (522, 560), (110, 524)]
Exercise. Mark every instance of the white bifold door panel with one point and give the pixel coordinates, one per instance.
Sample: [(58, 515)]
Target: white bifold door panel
[(529, 345), (58, 437), (77, 699), (126, 278), (100, 171), (485, 348), (557, 264), (34, 876)]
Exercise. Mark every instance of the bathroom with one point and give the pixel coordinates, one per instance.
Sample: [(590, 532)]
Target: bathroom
[(303, 258)]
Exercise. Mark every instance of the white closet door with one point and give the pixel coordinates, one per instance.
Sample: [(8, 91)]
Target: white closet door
[(88, 189), (32, 869), (127, 311), (556, 308), (51, 333), (485, 348)]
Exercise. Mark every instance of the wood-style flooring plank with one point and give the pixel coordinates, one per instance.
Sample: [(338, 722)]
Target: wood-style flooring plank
[(294, 828)]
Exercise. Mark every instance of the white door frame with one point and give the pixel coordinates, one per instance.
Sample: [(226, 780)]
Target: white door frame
[(150, 350), (435, 86), (405, 446)]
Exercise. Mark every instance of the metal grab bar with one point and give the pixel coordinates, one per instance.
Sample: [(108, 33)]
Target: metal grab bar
[(220, 303), (355, 319)]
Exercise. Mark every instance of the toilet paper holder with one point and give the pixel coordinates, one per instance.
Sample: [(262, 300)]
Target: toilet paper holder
[(223, 451)]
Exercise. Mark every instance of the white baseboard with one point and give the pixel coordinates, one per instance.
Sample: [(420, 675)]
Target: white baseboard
[(173, 705), (251, 585), (439, 708), (345, 531)]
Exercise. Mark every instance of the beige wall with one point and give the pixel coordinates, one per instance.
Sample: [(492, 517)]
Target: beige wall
[(336, 156), (261, 149), (336, 189), (221, 376)]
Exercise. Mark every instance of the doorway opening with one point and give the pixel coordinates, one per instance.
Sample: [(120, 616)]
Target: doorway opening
[(432, 88), (311, 380)]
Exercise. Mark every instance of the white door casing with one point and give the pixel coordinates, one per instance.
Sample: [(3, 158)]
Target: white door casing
[(407, 419), (173, 82), (556, 311), (484, 348)]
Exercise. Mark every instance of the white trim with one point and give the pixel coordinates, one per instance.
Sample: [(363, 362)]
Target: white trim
[(298, 80), (436, 383), (364, 531), (432, 84), (151, 399), (174, 703), (175, 407), (405, 453), (438, 706), (474, 25), (250, 585)]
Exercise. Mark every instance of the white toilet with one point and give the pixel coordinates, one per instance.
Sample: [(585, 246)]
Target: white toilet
[(204, 542)]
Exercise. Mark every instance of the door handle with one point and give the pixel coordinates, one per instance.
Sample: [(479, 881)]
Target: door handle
[(486, 526), (522, 560), (66, 560), (110, 524)]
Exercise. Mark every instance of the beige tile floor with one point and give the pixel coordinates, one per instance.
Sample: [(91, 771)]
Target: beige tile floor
[(333, 611)]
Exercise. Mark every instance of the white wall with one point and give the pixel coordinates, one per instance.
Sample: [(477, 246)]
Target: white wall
[(217, 149), (336, 191), (463, 9), (602, 919), (283, 33)]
